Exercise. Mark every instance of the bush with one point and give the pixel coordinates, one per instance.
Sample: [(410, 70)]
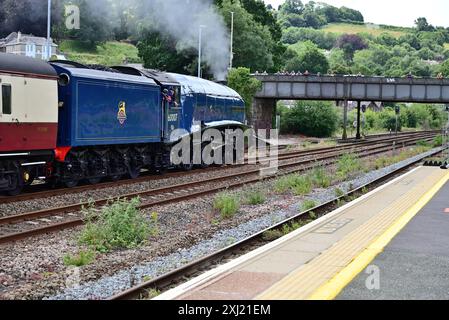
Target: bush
[(306, 56), (81, 259), (300, 185), (321, 178), (425, 116), (372, 120), (339, 193), (324, 40), (310, 118), (308, 204), (303, 186), (422, 143), (438, 141), (255, 197), (388, 118), (228, 204), (271, 235), (285, 183), (120, 225), (241, 81), (347, 165)]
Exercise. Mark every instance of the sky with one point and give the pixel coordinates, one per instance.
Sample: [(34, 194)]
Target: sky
[(393, 12)]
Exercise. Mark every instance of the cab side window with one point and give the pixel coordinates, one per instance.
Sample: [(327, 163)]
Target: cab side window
[(6, 99)]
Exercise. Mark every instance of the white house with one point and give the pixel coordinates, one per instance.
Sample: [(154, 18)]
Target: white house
[(27, 45)]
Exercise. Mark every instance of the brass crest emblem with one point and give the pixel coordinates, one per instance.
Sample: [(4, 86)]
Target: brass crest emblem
[(121, 116)]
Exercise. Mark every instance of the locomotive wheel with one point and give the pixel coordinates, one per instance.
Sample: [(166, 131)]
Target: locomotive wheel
[(187, 167), (134, 173), (94, 180), (15, 192), (71, 180), (115, 178), (203, 165), (71, 183), (17, 184)]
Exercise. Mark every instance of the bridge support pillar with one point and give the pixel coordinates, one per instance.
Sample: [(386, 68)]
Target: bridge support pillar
[(359, 117), (345, 120), (262, 113)]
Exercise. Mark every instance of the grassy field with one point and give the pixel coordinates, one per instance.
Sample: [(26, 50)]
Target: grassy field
[(367, 28), (108, 53)]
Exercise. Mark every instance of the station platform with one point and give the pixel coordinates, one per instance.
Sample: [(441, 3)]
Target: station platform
[(392, 243)]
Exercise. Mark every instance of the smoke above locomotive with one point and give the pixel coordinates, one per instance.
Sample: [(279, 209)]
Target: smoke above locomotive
[(178, 19), (181, 20)]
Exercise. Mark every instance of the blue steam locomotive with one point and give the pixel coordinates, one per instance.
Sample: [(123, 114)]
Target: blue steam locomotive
[(114, 121)]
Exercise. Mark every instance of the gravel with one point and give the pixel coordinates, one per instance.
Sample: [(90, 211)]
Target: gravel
[(7, 209), (126, 278)]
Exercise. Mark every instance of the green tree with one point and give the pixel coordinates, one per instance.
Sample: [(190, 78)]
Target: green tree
[(306, 56), (444, 68), (422, 25), (240, 80), (254, 46), (350, 43), (265, 17), (411, 39), (160, 52), (338, 64), (292, 6), (324, 40), (310, 118), (96, 23)]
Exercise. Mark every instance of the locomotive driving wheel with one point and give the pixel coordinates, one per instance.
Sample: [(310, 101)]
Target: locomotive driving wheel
[(71, 183), (117, 168), (133, 168), (16, 181), (70, 180)]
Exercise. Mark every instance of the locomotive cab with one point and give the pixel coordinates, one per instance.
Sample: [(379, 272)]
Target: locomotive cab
[(171, 104)]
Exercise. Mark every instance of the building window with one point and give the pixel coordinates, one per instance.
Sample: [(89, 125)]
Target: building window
[(6, 99)]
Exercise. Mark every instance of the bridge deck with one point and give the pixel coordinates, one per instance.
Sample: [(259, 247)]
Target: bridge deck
[(421, 90)]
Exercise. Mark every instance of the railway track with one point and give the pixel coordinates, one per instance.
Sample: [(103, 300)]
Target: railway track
[(40, 191), (171, 279), (20, 226)]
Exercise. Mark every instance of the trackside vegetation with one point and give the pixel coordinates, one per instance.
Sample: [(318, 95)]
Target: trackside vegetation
[(119, 225)]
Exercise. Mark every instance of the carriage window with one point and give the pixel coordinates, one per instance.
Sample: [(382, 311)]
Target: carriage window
[(6, 99)]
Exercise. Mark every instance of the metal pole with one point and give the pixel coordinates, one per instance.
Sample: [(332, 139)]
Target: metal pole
[(358, 135), (232, 41), (49, 31), (397, 125), (345, 120), (200, 50)]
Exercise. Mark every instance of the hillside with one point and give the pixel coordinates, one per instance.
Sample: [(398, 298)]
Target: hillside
[(108, 53), (375, 30)]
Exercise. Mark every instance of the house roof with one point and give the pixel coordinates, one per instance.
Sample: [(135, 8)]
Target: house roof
[(25, 39)]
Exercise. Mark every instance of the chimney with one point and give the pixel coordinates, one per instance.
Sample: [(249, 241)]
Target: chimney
[(19, 35)]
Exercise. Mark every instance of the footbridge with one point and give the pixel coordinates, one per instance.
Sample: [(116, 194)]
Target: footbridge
[(344, 88)]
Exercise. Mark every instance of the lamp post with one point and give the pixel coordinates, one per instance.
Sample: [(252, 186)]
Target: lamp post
[(49, 31), (200, 36), (232, 41)]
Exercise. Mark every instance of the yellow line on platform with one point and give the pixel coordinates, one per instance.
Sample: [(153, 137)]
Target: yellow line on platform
[(335, 286)]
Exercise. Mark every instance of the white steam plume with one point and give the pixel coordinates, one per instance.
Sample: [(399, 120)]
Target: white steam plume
[(181, 19)]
